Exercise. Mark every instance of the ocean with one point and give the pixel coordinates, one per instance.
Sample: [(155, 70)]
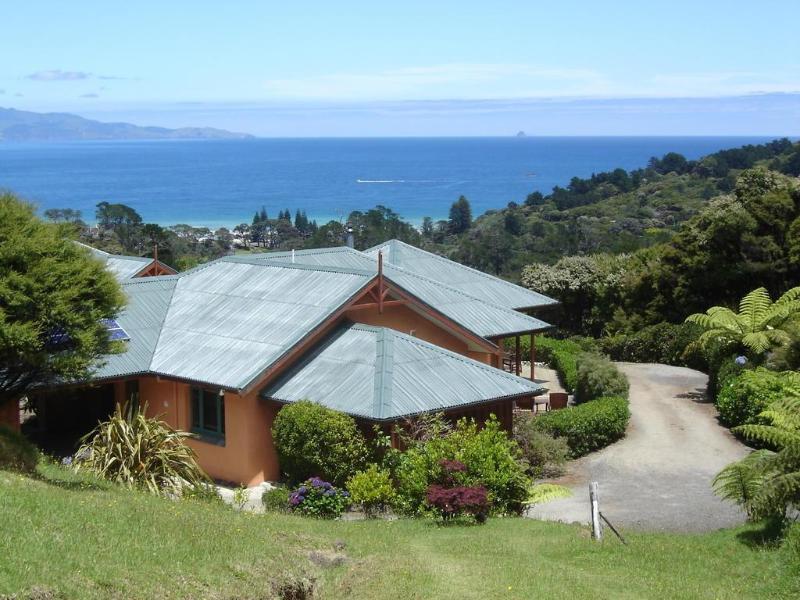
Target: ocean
[(222, 183)]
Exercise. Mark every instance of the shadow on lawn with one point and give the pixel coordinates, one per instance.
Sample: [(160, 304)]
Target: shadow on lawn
[(765, 535), (52, 473)]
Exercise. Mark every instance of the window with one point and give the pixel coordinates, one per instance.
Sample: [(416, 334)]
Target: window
[(208, 414)]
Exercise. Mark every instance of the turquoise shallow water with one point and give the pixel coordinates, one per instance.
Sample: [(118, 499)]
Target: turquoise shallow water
[(223, 182)]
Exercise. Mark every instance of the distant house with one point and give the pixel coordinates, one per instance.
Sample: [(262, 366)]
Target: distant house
[(383, 335), (128, 267)]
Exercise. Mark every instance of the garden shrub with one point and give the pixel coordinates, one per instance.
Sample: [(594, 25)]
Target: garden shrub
[(136, 451), (745, 394), (562, 356), (313, 440), (597, 377), (276, 499), (545, 454), (372, 489), (451, 498), (16, 452), (665, 343), (491, 458), (589, 426), (318, 498)]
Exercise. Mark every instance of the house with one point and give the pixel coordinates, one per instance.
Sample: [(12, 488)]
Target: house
[(128, 267), (383, 335)]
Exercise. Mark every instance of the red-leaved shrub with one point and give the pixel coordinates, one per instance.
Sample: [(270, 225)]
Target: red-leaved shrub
[(452, 499)]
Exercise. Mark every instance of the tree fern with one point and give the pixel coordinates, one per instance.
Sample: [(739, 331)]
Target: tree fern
[(767, 483), (758, 324)]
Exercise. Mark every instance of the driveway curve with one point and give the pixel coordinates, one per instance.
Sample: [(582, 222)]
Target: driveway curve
[(659, 476)]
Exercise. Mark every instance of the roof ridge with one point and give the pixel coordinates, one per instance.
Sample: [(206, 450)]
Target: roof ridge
[(457, 291), (458, 264), (384, 360), (300, 267), (161, 324)]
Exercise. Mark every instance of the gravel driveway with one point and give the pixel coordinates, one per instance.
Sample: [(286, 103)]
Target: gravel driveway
[(659, 476)]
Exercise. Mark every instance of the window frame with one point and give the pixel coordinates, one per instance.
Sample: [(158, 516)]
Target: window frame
[(215, 435)]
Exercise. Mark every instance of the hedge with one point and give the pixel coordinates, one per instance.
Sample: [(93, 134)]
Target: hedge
[(562, 356), (598, 377), (665, 343), (589, 426), (744, 395)]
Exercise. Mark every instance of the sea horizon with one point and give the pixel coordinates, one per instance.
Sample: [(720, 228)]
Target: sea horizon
[(221, 183)]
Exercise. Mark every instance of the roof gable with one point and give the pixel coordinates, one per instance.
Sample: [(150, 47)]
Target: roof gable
[(455, 275), (381, 374)]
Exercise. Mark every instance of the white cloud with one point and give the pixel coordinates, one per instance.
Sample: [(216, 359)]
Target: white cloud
[(58, 75), (458, 81)]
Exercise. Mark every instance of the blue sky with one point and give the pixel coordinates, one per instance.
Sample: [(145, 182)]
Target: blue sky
[(412, 67)]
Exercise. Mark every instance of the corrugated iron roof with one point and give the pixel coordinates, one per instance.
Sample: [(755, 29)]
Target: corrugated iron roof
[(122, 267), (379, 374), (455, 275), (483, 317)]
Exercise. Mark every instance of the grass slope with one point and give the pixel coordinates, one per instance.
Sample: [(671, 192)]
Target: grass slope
[(83, 539)]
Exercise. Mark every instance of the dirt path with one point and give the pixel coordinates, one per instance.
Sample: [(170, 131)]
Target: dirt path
[(659, 476)]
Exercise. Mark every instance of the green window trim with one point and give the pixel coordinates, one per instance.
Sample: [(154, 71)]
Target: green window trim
[(208, 415)]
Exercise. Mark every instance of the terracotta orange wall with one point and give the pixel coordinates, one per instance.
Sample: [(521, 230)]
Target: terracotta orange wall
[(247, 456), (401, 318)]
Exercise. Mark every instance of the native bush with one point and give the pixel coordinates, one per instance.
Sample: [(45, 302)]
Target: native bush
[(545, 454), (276, 499), (313, 440), (664, 343), (136, 451), (743, 396), (16, 452), (589, 426), (491, 459), (597, 377), (318, 498), (372, 489)]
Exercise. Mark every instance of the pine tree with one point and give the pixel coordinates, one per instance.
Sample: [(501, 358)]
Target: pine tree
[(460, 216), (263, 215)]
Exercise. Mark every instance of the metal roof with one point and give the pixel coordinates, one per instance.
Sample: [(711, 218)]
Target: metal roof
[(455, 275), (379, 374), (122, 267), (482, 317)]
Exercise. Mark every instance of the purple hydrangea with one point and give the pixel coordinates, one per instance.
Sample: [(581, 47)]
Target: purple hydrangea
[(741, 360)]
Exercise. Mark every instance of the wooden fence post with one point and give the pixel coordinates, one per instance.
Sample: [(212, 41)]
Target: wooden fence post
[(597, 531)]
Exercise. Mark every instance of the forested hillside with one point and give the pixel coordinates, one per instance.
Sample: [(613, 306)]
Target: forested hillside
[(616, 211)]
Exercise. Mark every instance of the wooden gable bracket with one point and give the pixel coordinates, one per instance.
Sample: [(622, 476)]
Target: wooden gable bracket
[(378, 295)]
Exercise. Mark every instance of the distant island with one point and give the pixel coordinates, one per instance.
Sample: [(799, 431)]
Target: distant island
[(521, 134), (25, 126)]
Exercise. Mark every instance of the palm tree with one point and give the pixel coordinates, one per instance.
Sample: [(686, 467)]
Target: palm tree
[(767, 483), (758, 324)]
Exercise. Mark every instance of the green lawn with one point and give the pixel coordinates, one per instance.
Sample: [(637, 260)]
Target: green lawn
[(88, 540)]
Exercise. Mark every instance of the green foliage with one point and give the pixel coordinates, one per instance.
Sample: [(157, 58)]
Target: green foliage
[(767, 483), (136, 451), (276, 500), (16, 452), (745, 395), (52, 297), (589, 426), (562, 356), (758, 324), (491, 458), (664, 343), (597, 377), (545, 454), (460, 216), (542, 493), (372, 489), (314, 440)]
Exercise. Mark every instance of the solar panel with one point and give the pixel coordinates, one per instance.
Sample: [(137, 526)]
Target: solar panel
[(115, 331)]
